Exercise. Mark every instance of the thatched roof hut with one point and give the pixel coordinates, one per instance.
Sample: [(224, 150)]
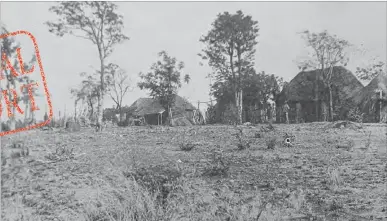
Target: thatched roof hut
[(369, 99), (152, 110), (302, 86), (301, 89), (145, 106)]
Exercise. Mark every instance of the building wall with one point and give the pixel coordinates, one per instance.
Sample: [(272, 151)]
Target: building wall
[(372, 113)]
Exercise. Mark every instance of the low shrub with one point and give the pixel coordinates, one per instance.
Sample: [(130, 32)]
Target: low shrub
[(123, 123)]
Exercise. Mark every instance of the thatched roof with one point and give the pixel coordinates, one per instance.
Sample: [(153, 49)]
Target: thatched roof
[(147, 106), (369, 93), (302, 86)]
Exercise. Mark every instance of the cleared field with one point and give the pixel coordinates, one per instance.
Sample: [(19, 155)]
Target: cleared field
[(326, 174)]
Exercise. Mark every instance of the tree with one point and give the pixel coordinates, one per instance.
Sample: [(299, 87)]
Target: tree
[(373, 69), (97, 22), (327, 52), (258, 88), (87, 92), (230, 49), (10, 50), (119, 85), (163, 80)]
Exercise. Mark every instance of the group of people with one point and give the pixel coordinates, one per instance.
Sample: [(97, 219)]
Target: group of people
[(271, 111)]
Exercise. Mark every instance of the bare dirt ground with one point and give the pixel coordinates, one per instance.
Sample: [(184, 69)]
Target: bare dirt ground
[(327, 174)]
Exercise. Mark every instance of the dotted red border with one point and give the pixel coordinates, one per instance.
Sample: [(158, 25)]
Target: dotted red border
[(43, 79)]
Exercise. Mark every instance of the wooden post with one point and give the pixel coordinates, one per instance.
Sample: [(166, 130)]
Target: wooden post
[(380, 103)]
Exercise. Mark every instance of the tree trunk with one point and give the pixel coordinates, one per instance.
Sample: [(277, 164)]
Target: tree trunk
[(122, 115), (99, 113), (75, 112), (170, 115), (238, 104), (91, 111), (316, 94), (330, 104), (101, 93), (380, 106)]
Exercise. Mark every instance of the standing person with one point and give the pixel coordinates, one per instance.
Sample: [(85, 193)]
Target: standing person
[(286, 110), (271, 110)]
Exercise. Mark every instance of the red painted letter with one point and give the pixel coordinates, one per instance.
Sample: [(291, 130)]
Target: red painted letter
[(8, 65), (21, 63), (15, 103), (30, 94)]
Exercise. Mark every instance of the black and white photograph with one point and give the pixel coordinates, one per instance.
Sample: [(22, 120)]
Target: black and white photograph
[(193, 110)]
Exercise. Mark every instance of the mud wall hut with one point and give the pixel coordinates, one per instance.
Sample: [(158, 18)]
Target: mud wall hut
[(372, 99), (154, 113), (300, 94)]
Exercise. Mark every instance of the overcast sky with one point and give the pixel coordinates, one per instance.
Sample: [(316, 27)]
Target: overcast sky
[(177, 26)]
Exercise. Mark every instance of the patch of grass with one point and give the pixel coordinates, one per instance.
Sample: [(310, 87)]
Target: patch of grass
[(216, 165), (187, 146), (231, 185), (334, 176), (61, 153), (271, 142), (136, 203), (368, 140), (158, 180), (242, 142), (346, 144)]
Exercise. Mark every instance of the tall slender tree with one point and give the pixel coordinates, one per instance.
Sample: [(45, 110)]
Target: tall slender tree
[(97, 22), (327, 52), (230, 49), (119, 86)]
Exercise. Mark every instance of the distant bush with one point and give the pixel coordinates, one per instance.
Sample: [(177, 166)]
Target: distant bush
[(253, 115), (124, 123), (4, 126), (211, 114)]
